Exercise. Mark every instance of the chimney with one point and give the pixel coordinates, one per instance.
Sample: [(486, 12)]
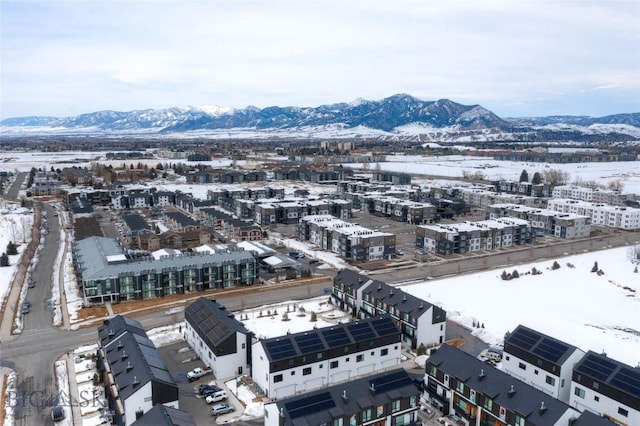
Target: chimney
[(372, 388), (542, 408), (120, 345), (511, 392), (404, 297), (135, 381), (379, 286), (281, 412), (129, 367), (391, 292), (124, 354), (111, 334), (481, 375), (345, 398), (421, 305)]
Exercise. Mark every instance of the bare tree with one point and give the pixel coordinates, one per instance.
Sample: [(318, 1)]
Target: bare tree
[(556, 177), (616, 185)]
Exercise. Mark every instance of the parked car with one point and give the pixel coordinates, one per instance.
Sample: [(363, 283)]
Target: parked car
[(26, 303), (25, 309), (206, 390), (198, 372), (57, 413), (216, 397), (219, 409), (31, 284), (313, 261)]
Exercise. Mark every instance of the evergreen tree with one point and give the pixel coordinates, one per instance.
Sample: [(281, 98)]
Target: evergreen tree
[(314, 317), (555, 266), (524, 176), (422, 349), (537, 178), (595, 267), (515, 274), (12, 249), (4, 259)]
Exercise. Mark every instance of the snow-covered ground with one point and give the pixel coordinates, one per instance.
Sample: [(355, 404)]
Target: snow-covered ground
[(15, 226), (588, 310)]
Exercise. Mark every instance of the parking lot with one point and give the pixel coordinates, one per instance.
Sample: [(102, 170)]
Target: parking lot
[(178, 361)]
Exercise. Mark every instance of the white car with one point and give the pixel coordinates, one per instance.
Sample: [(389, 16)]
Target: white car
[(218, 396)]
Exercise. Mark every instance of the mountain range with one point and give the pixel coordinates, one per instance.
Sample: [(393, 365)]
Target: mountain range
[(398, 117)]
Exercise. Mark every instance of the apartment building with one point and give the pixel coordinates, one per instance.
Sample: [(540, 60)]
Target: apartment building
[(545, 221), (590, 195), (349, 240), (601, 214), (296, 363)]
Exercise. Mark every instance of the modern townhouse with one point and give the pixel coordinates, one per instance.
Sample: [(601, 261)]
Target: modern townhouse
[(218, 338), (608, 388), (396, 178), (134, 375), (164, 198), (545, 221), (481, 198), (399, 210), (540, 361), (419, 322), (482, 395), (106, 273), (296, 363), (162, 415), (523, 188), (601, 214), (388, 398), (180, 222), (474, 236), (349, 240), (134, 225), (290, 211)]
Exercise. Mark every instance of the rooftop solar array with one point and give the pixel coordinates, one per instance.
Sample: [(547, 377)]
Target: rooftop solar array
[(384, 327), (309, 342), (361, 331), (628, 380), (309, 405), (596, 367), (543, 346), (281, 348), (391, 381), (336, 336)]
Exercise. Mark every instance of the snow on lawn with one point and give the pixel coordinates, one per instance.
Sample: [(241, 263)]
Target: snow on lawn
[(272, 324), (252, 408), (312, 252), (15, 226), (62, 378), (585, 309), (166, 335), (10, 399)]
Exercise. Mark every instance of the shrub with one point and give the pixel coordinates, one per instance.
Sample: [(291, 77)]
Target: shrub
[(595, 267), (515, 274), (422, 349), (555, 266), (4, 259), (12, 249), (314, 318)]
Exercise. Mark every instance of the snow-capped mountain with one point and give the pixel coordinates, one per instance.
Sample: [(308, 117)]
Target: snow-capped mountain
[(397, 117)]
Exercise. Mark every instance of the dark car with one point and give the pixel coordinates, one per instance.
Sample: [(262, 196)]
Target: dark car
[(57, 413), (31, 284), (206, 390), (26, 303), (313, 261), (418, 381)]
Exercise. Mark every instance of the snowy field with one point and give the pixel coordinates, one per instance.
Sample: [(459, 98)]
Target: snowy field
[(588, 310), (15, 226)]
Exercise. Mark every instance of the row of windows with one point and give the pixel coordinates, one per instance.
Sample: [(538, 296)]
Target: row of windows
[(580, 393)]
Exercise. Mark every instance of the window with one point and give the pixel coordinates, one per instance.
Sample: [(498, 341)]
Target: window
[(395, 406), (623, 412), (535, 372), (334, 364), (384, 352), (293, 372), (522, 366), (306, 371), (596, 385), (488, 404), (596, 398), (460, 387), (366, 415), (432, 370), (413, 401), (337, 422), (507, 357), (359, 358), (277, 378), (519, 421), (379, 411), (579, 392), (319, 355), (550, 381)]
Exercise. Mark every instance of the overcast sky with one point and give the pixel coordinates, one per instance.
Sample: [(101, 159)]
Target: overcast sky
[(516, 58)]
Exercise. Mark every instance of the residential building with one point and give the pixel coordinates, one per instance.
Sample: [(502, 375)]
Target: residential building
[(134, 374), (540, 361), (545, 221), (388, 398), (419, 321), (396, 178), (106, 273), (590, 195), (161, 415), (218, 338), (349, 240), (474, 236), (480, 394), (601, 214), (295, 363), (607, 388)]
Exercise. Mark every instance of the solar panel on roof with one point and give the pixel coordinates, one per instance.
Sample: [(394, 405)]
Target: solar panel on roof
[(309, 343), (361, 332), (384, 326), (524, 338), (336, 337), (628, 380), (551, 350), (596, 367), (391, 381), (310, 404), (280, 349)]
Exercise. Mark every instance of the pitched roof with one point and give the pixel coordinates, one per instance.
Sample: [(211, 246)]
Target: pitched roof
[(112, 328), (615, 374), (548, 348), (162, 415), (524, 400), (212, 321), (321, 406), (313, 341)]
